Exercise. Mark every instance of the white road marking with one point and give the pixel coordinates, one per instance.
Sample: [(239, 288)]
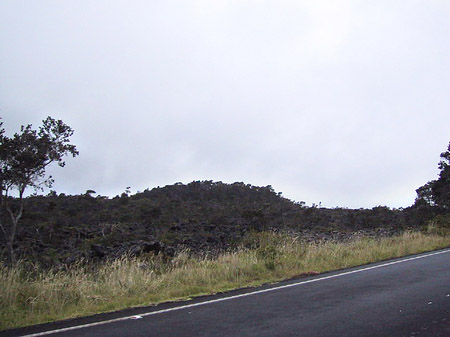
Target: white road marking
[(236, 296)]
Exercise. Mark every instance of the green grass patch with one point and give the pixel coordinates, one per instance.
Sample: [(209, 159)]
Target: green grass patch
[(36, 296)]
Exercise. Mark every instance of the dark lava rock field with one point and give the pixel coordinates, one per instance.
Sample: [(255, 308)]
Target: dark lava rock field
[(202, 216)]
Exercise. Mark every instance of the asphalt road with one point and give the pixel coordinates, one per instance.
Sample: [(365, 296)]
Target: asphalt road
[(405, 297)]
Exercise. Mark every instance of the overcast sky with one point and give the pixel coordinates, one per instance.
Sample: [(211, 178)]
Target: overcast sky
[(340, 102)]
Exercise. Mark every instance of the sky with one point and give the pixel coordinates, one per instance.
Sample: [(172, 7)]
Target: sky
[(344, 103)]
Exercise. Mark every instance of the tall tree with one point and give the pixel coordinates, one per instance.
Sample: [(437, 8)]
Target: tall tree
[(437, 192), (24, 158), (441, 188)]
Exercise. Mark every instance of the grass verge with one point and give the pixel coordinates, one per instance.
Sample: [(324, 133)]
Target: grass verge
[(36, 296)]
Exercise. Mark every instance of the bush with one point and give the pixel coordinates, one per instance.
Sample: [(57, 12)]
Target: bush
[(440, 225)]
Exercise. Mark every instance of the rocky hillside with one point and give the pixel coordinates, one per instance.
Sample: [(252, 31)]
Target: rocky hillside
[(203, 216)]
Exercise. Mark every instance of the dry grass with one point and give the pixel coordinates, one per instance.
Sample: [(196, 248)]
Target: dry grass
[(36, 296)]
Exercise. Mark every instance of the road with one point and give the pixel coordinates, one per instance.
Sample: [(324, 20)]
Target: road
[(403, 297)]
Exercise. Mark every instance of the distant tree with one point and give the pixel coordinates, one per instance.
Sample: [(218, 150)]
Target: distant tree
[(23, 160), (89, 193), (437, 192)]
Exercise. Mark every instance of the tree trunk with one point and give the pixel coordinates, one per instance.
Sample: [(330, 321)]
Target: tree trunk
[(12, 231)]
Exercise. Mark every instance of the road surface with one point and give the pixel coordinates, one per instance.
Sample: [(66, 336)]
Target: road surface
[(403, 297)]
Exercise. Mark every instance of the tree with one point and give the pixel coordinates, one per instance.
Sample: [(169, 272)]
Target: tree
[(23, 160), (425, 194), (437, 192), (441, 187)]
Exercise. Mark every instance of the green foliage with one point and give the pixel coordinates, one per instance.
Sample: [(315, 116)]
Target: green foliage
[(25, 156), (439, 225), (268, 246), (441, 188), (437, 192)]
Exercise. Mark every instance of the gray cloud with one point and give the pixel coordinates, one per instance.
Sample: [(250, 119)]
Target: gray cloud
[(340, 102)]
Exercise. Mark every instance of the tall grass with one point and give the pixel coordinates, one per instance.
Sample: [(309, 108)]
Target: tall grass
[(35, 296)]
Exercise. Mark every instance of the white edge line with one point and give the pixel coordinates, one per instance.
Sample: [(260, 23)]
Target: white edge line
[(235, 296)]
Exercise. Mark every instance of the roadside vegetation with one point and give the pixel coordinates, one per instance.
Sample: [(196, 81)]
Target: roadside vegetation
[(64, 256), (31, 295)]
